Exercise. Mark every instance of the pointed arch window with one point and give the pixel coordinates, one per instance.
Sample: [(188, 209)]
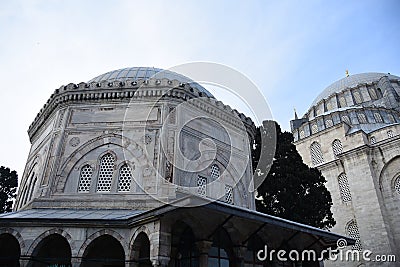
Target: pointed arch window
[(85, 179), (397, 184), (316, 153), (353, 232), (344, 188), (105, 173), (125, 178), (337, 147), (362, 118), (378, 117)]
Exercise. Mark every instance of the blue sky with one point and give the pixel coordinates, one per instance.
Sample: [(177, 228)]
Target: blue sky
[(292, 50)]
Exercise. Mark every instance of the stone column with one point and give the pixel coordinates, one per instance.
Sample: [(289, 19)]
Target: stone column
[(160, 262), (203, 248)]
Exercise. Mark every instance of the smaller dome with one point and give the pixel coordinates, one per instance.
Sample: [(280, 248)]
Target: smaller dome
[(351, 81), (136, 73)]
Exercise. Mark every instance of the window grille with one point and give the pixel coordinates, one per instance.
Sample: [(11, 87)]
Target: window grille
[(314, 128), (362, 118), (85, 179), (215, 173), (344, 187), (328, 123), (125, 178), (390, 133), (353, 232), (329, 105), (202, 186), (342, 102), (373, 94), (346, 119), (337, 147), (372, 140), (316, 154), (397, 185), (357, 97), (105, 173), (228, 194), (378, 117), (302, 134)]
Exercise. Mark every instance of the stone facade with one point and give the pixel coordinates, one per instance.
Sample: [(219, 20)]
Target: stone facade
[(352, 135)]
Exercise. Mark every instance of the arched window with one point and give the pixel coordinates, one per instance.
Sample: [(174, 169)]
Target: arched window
[(372, 140), (390, 133), (220, 253), (342, 102), (357, 97), (202, 185), (346, 119), (337, 147), (373, 94), (302, 134), (353, 232), (397, 184), (362, 118), (85, 179), (105, 173), (316, 153), (391, 118), (344, 188), (228, 194), (214, 173), (378, 117), (329, 105), (314, 128), (328, 123), (125, 178)]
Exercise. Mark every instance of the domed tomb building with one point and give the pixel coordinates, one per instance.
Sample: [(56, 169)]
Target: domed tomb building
[(351, 133), (142, 167)]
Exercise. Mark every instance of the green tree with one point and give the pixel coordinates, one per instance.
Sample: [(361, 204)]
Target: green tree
[(292, 190), (8, 188)]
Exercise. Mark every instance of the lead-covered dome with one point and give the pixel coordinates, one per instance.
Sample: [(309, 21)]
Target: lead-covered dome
[(351, 81), (145, 73)]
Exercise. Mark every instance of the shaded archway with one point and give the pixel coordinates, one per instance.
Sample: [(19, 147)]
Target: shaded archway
[(52, 250), (141, 251), (10, 251), (221, 251), (254, 245), (104, 251), (183, 247)]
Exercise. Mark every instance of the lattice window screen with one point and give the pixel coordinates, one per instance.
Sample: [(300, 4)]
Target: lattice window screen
[(202, 186), (328, 123), (397, 184), (215, 173), (390, 133), (228, 194), (378, 117), (337, 147), (105, 173), (344, 187), (346, 119), (85, 179), (314, 128), (357, 97), (373, 94), (372, 140), (125, 178), (362, 118), (316, 153), (353, 232), (302, 134), (342, 102)]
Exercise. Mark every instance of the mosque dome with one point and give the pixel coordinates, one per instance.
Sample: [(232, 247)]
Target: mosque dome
[(351, 81), (146, 73)]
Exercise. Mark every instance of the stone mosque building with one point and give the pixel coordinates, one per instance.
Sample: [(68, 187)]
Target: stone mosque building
[(351, 133), (143, 167)]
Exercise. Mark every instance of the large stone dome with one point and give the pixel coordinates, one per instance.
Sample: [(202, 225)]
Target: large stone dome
[(351, 81), (145, 73)]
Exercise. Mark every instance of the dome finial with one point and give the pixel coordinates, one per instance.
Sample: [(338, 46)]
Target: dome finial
[(347, 73)]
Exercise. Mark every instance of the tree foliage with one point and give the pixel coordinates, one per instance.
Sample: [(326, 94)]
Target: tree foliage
[(8, 188), (292, 190)]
